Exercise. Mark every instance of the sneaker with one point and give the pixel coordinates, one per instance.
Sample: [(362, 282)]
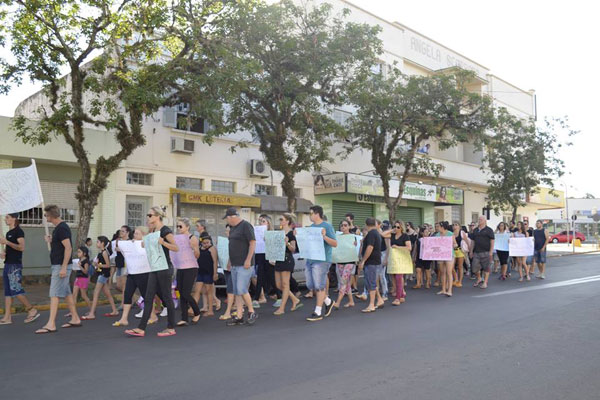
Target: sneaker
[(164, 312), (314, 317), (139, 315), (328, 308), (277, 303), (252, 319), (472, 277), (483, 286), (255, 304), (542, 276), (521, 279), (528, 278), (235, 322), (354, 291)]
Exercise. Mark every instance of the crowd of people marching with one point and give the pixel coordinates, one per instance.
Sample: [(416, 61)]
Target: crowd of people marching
[(251, 279)]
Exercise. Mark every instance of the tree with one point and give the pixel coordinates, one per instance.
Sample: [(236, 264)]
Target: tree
[(108, 64), (520, 157), (398, 114), (289, 65), (589, 196)]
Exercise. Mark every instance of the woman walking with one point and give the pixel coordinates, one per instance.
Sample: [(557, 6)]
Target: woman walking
[(284, 269), (102, 264), (12, 274), (399, 240), (345, 272), (462, 240), (502, 229), (159, 279), (521, 264), (446, 267), (187, 272), (422, 267), (125, 233)]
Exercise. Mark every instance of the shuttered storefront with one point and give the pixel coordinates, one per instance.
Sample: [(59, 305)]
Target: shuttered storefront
[(410, 214), (361, 212)]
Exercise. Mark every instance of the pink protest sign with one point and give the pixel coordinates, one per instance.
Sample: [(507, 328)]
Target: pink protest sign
[(184, 258), (438, 248)]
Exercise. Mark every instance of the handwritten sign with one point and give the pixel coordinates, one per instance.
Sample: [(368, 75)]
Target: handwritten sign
[(75, 263), (259, 234), (310, 243), (501, 241), (275, 245), (400, 261), (437, 248), (135, 256), (223, 251), (184, 258), (520, 247), (345, 252), (19, 189), (154, 252)]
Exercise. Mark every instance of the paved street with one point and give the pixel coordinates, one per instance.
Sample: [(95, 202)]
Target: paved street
[(525, 345)]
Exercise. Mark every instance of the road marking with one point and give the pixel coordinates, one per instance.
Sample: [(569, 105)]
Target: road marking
[(570, 282)]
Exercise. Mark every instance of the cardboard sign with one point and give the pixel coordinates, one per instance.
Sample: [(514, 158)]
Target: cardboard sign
[(345, 252), (438, 248), (184, 258), (154, 252), (310, 243), (275, 245), (520, 247)]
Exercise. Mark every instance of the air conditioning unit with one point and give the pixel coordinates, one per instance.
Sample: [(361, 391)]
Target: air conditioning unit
[(181, 145), (259, 168)]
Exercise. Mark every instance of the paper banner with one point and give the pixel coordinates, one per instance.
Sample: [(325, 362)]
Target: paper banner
[(259, 234), (345, 252), (501, 241), (275, 245), (75, 263), (437, 248), (400, 261), (184, 258), (19, 190), (223, 251), (521, 247), (310, 243), (154, 252), (136, 260)]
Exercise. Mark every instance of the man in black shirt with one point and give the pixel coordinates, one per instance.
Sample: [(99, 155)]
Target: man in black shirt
[(482, 252), (371, 261), (60, 260)]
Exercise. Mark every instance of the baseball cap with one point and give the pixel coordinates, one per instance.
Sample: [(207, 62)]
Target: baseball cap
[(231, 211)]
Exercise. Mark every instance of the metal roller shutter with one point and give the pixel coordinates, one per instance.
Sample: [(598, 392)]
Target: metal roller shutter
[(409, 214), (361, 212)]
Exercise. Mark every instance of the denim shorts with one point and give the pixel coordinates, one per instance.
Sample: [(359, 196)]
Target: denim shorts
[(370, 273), (540, 256), (59, 287), (228, 282), (103, 279), (121, 272), (12, 277), (529, 260), (316, 275), (240, 277)]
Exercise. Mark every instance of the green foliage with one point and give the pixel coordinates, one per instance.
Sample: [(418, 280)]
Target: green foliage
[(398, 114), (286, 66)]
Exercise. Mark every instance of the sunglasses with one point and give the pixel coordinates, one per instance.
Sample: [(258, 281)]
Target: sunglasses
[(398, 227), (180, 226), (150, 215)]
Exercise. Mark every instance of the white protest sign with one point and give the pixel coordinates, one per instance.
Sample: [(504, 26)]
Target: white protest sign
[(259, 235), (310, 243), (19, 189), (520, 247), (136, 260)]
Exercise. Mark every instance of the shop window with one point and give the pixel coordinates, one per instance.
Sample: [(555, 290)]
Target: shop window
[(264, 190), (222, 186), (34, 216), (189, 183), (137, 178)]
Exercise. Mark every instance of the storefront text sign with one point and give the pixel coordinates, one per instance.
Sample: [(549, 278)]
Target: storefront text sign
[(219, 199), (332, 183)]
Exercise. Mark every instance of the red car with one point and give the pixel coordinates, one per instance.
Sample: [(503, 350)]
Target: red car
[(562, 237)]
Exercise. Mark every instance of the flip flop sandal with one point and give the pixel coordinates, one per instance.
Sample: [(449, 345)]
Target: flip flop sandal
[(71, 325), (87, 318), (165, 334), (111, 314), (277, 313), (6, 322), (150, 322), (182, 323), (298, 306), (218, 308), (131, 332), (43, 331), (366, 310), (348, 305), (119, 323), (224, 318)]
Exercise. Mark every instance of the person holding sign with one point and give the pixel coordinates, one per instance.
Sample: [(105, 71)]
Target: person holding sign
[(12, 274), (284, 269), (371, 261), (421, 264), (463, 242), (345, 267), (399, 263), (482, 252), (447, 266), (520, 261), (60, 260), (501, 245), (157, 245), (187, 271)]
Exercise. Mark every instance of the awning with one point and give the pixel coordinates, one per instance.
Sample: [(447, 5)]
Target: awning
[(215, 198), (279, 204)]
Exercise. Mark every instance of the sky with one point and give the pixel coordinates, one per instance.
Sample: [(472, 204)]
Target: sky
[(549, 46)]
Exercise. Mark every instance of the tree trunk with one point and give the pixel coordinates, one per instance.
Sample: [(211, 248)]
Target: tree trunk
[(86, 208), (287, 184), (514, 213)]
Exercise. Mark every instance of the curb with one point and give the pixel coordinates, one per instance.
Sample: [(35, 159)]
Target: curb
[(573, 254), (61, 306)]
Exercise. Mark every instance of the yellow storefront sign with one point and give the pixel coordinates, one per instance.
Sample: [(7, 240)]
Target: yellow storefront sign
[(218, 199), (543, 196)]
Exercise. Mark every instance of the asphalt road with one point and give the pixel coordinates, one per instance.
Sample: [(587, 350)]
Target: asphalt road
[(516, 345)]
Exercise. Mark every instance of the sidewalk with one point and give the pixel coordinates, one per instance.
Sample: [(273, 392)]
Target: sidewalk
[(564, 249)]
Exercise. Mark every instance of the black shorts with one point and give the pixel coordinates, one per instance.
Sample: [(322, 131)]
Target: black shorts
[(502, 256), (423, 264)]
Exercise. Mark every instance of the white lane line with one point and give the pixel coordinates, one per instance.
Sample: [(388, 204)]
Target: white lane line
[(570, 282)]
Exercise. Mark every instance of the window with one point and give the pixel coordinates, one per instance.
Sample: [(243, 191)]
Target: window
[(264, 190), (135, 213), (341, 117), (192, 124), (378, 69), (136, 178), (34, 216), (222, 186), (189, 183), (474, 217)]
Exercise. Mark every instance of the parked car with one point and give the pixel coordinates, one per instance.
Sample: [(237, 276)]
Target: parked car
[(562, 237)]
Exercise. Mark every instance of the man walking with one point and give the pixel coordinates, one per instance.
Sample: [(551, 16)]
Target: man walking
[(242, 244), (482, 252), (61, 249), (316, 270), (371, 261), (541, 238)]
